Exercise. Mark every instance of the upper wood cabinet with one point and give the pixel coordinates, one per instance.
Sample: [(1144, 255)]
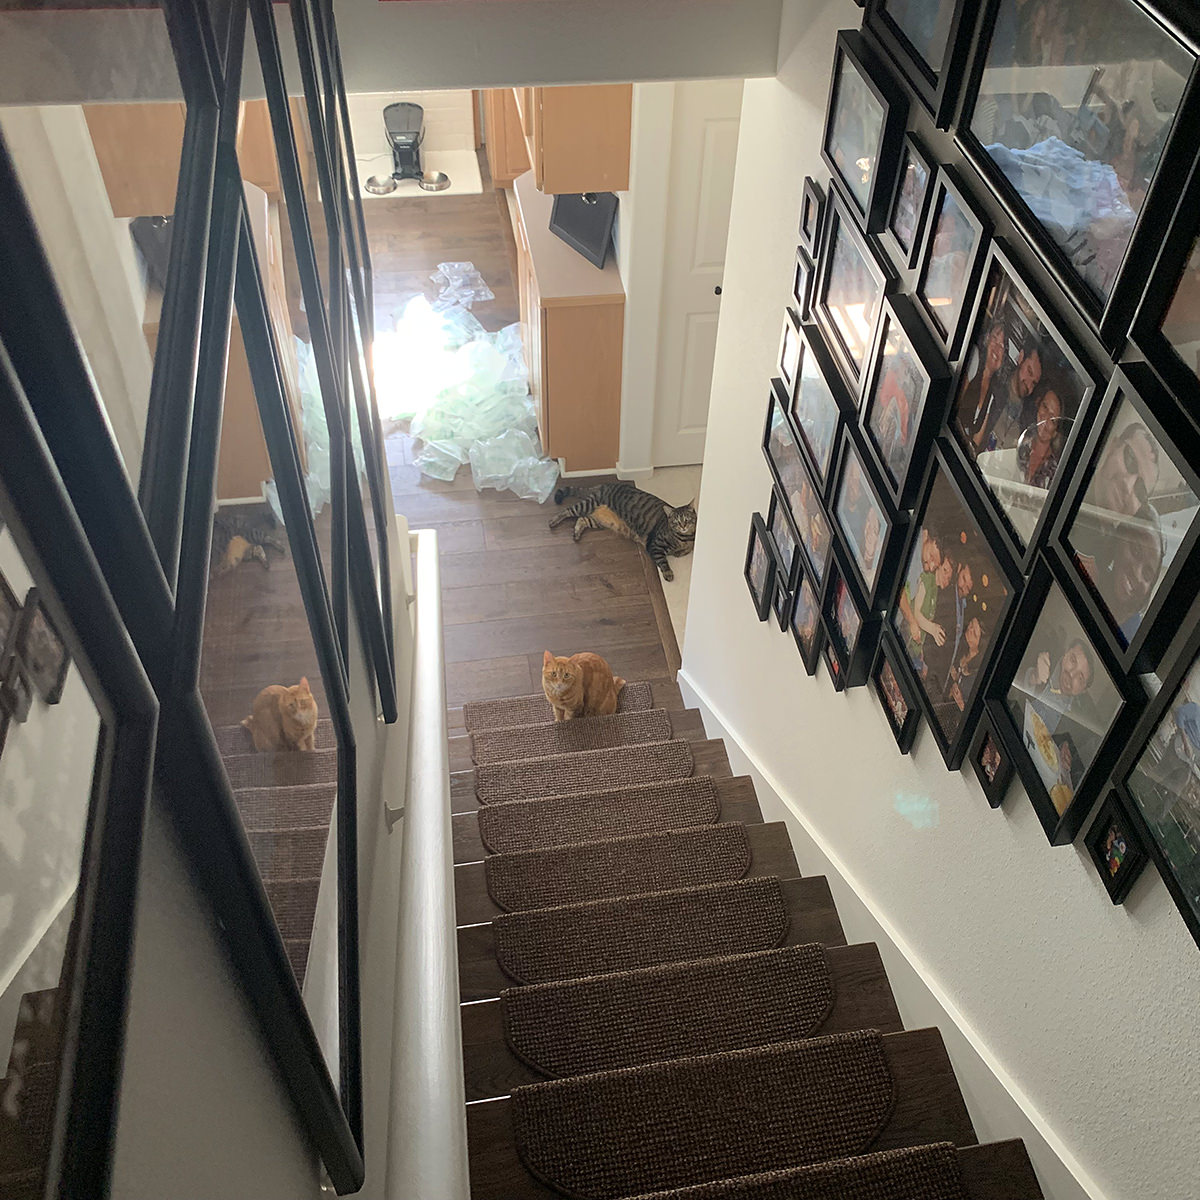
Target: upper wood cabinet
[(577, 137), (506, 153)]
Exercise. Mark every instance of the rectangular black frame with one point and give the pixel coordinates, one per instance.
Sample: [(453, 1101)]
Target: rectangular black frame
[(812, 212), (1059, 828), (889, 652), (812, 346), (996, 789), (50, 691), (802, 280), (793, 566), (906, 260), (1113, 812), (812, 656), (854, 662), (852, 48), (760, 537)]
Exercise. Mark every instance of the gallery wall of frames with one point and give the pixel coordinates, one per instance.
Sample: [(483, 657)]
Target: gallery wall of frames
[(984, 426)]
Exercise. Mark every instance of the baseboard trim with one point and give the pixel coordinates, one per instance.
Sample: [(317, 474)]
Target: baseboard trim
[(997, 1105)]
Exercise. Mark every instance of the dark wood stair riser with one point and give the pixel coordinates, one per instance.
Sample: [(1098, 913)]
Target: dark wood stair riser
[(708, 756), (862, 1000), (811, 912), (738, 803), (770, 854)]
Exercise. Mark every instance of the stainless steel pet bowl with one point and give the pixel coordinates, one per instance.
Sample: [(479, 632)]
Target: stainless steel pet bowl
[(380, 185), (434, 181)]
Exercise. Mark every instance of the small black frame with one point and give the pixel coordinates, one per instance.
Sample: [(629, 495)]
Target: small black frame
[(949, 334), (936, 84), (1060, 827), (853, 53), (47, 677), (905, 258), (814, 355), (891, 536), (787, 362), (1113, 829), (802, 281), (812, 211), (853, 658), (808, 592), (1135, 383), (760, 540), (927, 407), (777, 517), (890, 655), (838, 222), (999, 258), (995, 783)]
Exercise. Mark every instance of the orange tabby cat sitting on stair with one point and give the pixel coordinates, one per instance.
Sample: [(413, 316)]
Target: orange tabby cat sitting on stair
[(284, 718), (580, 685)]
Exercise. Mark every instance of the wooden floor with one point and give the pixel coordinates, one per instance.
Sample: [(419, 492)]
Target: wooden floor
[(511, 587)]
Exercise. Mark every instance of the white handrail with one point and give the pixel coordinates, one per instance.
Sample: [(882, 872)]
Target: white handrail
[(427, 1136)]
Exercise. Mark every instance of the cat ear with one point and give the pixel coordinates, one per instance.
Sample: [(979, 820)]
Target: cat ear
[(547, 659), (304, 683)]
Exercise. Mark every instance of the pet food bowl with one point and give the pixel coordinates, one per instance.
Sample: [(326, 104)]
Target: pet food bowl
[(380, 185), (434, 181)]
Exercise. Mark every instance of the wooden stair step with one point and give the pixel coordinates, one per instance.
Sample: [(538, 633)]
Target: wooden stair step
[(770, 854), (665, 692), (928, 1108), (301, 805), (737, 797), (281, 769), (235, 739), (862, 1000), (708, 755), (686, 724), (811, 912)]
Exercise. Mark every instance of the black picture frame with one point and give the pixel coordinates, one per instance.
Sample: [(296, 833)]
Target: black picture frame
[(802, 280), (759, 569), (1140, 648), (812, 210), (1001, 486), (782, 539), (40, 648), (854, 651), (10, 620), (991, 762), (842, 240), (1038, 751), (1114, 844), (820, 406), (891, 422), (787, 362), (882, 527), (804, 621), (915, 164), (1111, 314), (1156, 776), (887, 675), (16, 690), (936, 84), (947, 509), (948, 322), (854, 62), (836, 673)]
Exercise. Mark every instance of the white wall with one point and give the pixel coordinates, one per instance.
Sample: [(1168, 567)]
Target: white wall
[(1071, 1022)]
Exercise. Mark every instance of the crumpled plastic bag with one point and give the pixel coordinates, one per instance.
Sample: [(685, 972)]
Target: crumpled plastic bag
[(513, 461), (460, 283), (441, 459)]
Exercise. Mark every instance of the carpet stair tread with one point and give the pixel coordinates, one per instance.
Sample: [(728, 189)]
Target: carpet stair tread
[(304, 804), (619, 867), (808, 904), (523, 710), (289, 853), (721, 1111), (281, 768), (294, 904), (549, 821), (861, 999), (235, 739)]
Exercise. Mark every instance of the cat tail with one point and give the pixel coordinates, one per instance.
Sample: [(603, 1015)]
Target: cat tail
[(619, 683), (564, 492)]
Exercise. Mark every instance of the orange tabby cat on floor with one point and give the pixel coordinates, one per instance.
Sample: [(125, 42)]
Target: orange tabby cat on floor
[(581, 685), (284, 718)]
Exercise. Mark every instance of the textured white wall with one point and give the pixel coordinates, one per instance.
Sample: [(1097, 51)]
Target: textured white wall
[(1085, 1012)]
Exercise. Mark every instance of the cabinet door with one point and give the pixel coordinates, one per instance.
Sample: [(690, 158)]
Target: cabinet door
[(581, 135), (137, 148), (506, 152)]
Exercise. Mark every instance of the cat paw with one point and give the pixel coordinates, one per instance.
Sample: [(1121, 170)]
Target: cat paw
[(668, 574)]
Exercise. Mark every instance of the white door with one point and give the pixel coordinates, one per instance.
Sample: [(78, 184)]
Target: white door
[(703, 152)]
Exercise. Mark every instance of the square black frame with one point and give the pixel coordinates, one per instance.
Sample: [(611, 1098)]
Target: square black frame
[(812, 213), (1136, 383), (947, 182), (852, 51), (802, 280), (759, 535), (889, 652), (837, 218), (935, 84), (996, 788), (1113, 812), (854, 661), (1059, 828), (906, 260), (998, 254), (953, 749), (901, 311), (1110, 320), (892, 537), (50, 690), (812, 655), (812, 345)]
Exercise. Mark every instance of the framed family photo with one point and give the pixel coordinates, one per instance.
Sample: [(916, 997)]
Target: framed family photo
[(851, 633), (805, 621), (863, 127), (1129, 525), (893, 686), (760, 567), (1021, 397), (910, 204), (782, 543), (40, 648), (1089, 94), (991, 762), (812, 209), (1060, 707), (955, 593), (904, 399), (820, 405), (1116, 848)]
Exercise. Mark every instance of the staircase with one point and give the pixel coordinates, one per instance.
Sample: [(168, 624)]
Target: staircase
[(27, 1095), (656, 1003)]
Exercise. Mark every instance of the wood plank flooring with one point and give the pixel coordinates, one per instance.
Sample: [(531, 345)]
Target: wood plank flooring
[(511, 587)]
